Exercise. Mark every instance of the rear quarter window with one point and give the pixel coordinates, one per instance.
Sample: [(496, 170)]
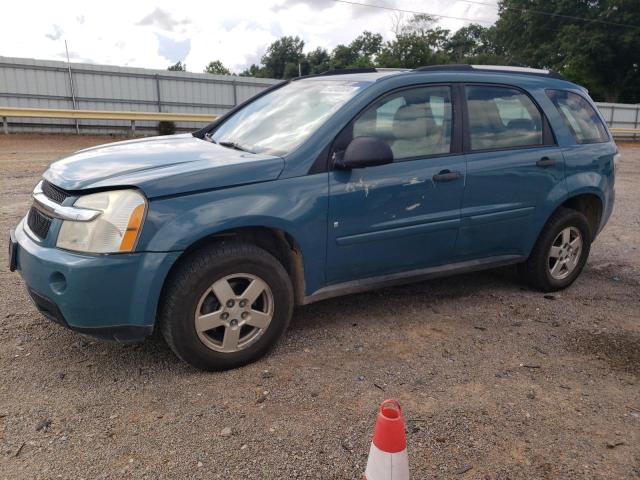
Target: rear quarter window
[(579, 116)]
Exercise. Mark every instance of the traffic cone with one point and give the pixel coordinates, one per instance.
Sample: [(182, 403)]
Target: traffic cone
[(388, 459)]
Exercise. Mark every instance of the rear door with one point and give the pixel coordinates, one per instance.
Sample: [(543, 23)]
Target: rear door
[(405, 215), (513, 165)]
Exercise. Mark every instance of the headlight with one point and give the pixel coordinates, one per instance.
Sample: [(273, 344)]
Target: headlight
[(116, 229)]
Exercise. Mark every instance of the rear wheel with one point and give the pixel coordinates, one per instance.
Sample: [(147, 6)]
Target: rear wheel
[(225, 306), (560, 252)]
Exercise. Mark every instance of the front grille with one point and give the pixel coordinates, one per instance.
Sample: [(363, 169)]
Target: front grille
[(56, 194), (39, 223)]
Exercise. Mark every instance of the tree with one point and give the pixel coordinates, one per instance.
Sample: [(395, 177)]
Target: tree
[(343, 57), (603, 57), (367, 45), (475, 44), (535, 33), (410, 51), (421, 25), (361, 52), (292, 70), (217, 68), (316, 61), (281, 53), (255, 71), (416, 44), (178, 67)]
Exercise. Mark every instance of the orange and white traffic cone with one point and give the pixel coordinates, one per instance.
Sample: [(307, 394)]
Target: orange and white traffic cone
[(388, 459)]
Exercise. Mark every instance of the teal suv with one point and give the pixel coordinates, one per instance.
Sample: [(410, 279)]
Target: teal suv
[(317, 187)]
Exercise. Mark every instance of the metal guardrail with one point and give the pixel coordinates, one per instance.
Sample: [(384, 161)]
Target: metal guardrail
[(632, 131), (6, 112)]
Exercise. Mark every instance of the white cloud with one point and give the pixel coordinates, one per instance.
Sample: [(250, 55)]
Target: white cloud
[(162, 19), (57, 33), (236, 32)]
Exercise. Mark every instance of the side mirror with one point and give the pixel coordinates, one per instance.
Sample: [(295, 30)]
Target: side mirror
[(366, 152)]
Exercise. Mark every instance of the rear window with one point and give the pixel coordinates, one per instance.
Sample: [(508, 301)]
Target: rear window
[(579, 116)]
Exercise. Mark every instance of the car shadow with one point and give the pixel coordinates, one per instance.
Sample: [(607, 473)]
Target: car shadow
[(619, 349), (405, 297), (153, 355)]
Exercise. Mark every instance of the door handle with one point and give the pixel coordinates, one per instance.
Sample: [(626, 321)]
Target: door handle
[(446, 176), (545, 162)]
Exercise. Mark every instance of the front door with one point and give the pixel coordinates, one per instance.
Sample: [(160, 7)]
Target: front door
[(405, 215)]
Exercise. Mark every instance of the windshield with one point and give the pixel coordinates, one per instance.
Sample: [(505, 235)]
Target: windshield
[(281, 120)]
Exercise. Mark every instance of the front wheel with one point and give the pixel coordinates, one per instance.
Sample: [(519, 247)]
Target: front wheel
[(560, 252), (225, 305)]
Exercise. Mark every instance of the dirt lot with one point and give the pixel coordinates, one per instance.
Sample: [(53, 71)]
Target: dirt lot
[(498, 382)]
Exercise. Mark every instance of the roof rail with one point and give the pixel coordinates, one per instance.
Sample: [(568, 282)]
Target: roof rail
[(347, 71), (492, 69)]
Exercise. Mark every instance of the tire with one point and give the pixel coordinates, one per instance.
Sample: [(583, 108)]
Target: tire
[(537, 270), (190, 291)]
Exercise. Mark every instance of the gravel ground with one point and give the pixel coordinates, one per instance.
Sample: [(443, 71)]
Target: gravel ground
[(497, 381)]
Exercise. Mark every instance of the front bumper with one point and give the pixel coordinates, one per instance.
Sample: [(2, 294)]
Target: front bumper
[(106, 296)]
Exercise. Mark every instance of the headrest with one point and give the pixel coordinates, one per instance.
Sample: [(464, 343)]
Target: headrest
[(521, 124), (412, 121), (483, 115)]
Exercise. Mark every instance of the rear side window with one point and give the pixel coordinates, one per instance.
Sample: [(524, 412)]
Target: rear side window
[(502, 117), (579, 116)]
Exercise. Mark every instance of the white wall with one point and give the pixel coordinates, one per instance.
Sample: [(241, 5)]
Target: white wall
[(45, 84)]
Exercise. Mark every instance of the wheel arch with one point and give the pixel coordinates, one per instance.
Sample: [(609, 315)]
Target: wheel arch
[(279, 243), (588, 201), (590, 204)]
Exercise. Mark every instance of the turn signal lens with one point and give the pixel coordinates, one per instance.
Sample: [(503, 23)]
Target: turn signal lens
[(133, 228)]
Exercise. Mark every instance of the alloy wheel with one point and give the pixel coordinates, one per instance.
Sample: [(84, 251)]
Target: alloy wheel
[(234, 312), (564, 253)]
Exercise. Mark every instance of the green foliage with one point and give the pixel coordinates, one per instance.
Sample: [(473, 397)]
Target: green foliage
[(417, 43), (602, 57), (475, 44), (362, 52), (344, 57), (367, 44), (217, 68), (282, 57), (291, 70), (316, 61), (254, 71), (178, 67), (166, 127)]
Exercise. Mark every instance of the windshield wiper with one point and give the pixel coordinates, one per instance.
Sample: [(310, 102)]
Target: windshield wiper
[(209, 137), (235, 146)]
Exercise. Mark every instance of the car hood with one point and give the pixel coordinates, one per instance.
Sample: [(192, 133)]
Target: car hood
[(161, 166)]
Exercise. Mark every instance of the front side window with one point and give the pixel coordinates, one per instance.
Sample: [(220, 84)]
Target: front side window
[(579, 116), (283, 119), (502, 117), (414, 122)]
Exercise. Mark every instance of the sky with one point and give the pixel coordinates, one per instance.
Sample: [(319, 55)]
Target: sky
[(156, 34)]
